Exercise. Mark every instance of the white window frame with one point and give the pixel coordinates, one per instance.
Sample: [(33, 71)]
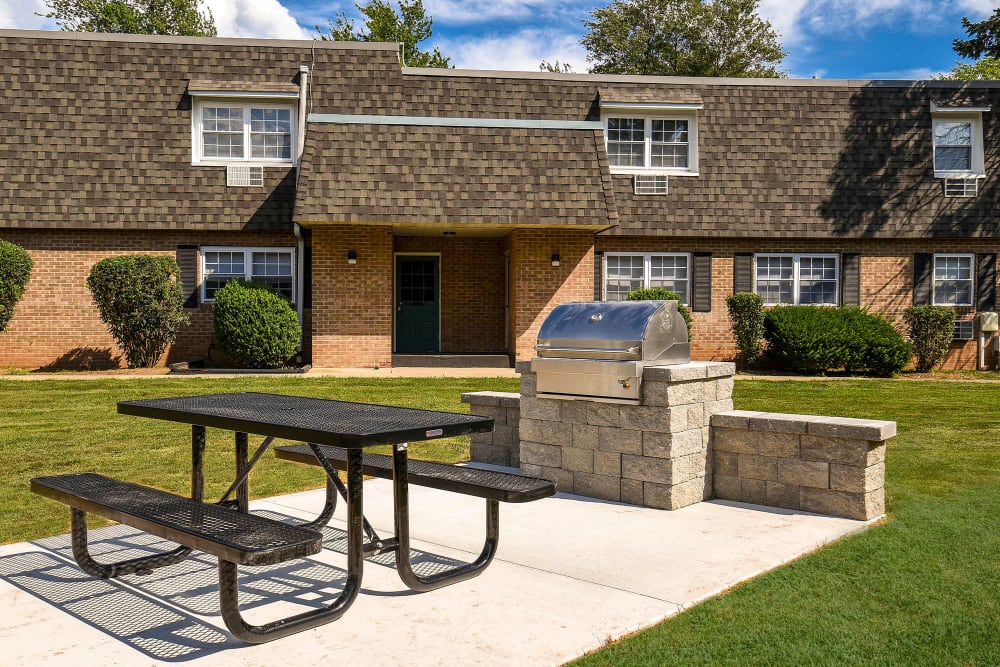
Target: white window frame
[(649, 113), (247, 264), (796, 275), (972, 278), (974, 117), (197, 135), (647, 258)]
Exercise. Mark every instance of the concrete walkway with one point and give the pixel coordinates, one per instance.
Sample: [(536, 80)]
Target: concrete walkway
[(571, 574)]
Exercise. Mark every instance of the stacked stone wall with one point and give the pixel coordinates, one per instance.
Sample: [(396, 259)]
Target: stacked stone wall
[(501, 446)]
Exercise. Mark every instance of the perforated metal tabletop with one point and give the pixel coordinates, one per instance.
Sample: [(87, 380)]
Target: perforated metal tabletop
[(323, 421)]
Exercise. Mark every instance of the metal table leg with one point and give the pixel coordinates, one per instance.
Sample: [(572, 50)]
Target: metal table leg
[(403, 565), (256, 634)]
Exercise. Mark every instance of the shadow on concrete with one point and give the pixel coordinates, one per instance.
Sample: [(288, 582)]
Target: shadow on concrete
[(83, 359)]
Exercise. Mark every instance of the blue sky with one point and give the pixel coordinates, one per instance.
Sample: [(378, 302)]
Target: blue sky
[(862, 39)]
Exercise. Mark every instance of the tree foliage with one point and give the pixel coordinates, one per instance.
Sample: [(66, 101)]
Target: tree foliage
[(662, 294), (746, 312), (683, 38), (139, 17), (255, 324), (931, 329), (555, 66), (139, 297), (409, 27), (15, 271), (984, 38), (987, 69)]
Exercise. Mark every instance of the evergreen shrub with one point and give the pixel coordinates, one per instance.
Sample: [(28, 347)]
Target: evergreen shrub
[(930, 329), (746, 312), (255, 324), (15, 271), (139, 297), (814, 339)]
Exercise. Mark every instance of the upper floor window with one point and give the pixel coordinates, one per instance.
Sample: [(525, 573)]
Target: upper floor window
[(953, 280), (957, 134), (626, 272), (797, 279), (271, 266), (226, 131), (665, 144)]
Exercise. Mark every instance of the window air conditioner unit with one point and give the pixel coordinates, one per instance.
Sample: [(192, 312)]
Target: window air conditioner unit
[(647, 184), (961, 187), (244, 176)]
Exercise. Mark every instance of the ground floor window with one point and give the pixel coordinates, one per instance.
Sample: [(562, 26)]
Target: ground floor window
[(270, 266), (797, 279), (952, 280), (625, 272)]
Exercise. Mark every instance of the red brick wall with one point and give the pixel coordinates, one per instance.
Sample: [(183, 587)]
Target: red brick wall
[(536, 287), (56, 324), (352, 304), (472, 290), (886, 280)]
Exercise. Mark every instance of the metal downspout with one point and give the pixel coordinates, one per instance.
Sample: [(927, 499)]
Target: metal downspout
[(300, 256)]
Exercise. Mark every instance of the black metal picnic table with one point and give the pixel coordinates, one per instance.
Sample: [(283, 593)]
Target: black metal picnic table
[(318, 422)]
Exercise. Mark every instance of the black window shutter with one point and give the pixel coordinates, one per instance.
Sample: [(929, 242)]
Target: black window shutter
[(850, 279), (701, 282), (307, 270), (986, 281), (187, 260), (923, 281), (743, 272), (598, 273)]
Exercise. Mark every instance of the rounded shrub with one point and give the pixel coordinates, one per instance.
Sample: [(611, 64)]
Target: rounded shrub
[(255, 324), (746, 312), (662, 294), (139, 297), (930, 329), (813, 339), (15, 271)]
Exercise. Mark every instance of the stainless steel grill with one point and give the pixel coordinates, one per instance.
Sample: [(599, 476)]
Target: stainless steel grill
[(597, 350)]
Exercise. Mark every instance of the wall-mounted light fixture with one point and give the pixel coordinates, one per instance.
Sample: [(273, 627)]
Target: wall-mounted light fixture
[(352, 257), (555, 259)]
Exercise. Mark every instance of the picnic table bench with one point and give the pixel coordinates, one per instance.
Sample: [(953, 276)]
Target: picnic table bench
[(336, 433)]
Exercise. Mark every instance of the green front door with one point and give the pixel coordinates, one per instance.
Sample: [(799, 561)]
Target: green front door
[(418, 303)]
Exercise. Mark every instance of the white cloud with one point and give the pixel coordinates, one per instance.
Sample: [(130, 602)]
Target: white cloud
[(520, 51), (255, 18), (22, 15), (548, 12), (915, 74), (784, 15), (981, 7)]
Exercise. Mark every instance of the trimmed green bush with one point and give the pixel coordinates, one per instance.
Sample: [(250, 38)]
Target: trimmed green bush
[(139, 297), (746, 312), (813, 339), (15, 271), (255, 324), (662, 294), (930, 329)]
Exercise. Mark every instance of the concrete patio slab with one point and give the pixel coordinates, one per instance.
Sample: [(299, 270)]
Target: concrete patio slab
[(570, 574)]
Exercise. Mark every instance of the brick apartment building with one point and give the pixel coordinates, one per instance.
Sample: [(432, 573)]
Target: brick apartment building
[(424, 211)]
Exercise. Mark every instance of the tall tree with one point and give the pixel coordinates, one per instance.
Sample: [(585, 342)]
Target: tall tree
[(986, 69), (410, 26), (683, 38), (984, 38), (140, 17)]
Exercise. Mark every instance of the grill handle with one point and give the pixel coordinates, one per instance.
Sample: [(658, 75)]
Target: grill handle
[(598, 350)]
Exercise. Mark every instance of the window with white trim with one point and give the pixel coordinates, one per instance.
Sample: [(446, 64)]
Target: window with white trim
[(958, 143), (788, 279), (953, 281), (662, 144), (227, 131), (626, 272), (270, 266)]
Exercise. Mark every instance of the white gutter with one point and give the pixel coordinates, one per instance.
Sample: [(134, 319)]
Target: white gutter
[(300, 256)]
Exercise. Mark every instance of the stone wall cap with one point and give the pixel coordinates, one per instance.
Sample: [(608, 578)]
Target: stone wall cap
[(847, 427), (781, 422), (692, 370), (733, 418), (522, 366), (488, 397)]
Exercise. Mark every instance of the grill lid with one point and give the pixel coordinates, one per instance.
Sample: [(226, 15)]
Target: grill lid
[(647, 331)]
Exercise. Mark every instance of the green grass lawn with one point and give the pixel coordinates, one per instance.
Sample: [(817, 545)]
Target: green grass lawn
[(923, 588)]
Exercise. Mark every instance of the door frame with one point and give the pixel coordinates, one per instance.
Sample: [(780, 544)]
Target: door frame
[(440, 296)]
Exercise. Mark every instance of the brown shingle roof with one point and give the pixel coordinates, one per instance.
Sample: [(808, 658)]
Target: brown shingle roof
[(649, 95), (448, 175), (211, 85)]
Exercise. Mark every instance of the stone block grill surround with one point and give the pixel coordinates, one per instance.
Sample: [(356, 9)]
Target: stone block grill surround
[(684, 443)]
